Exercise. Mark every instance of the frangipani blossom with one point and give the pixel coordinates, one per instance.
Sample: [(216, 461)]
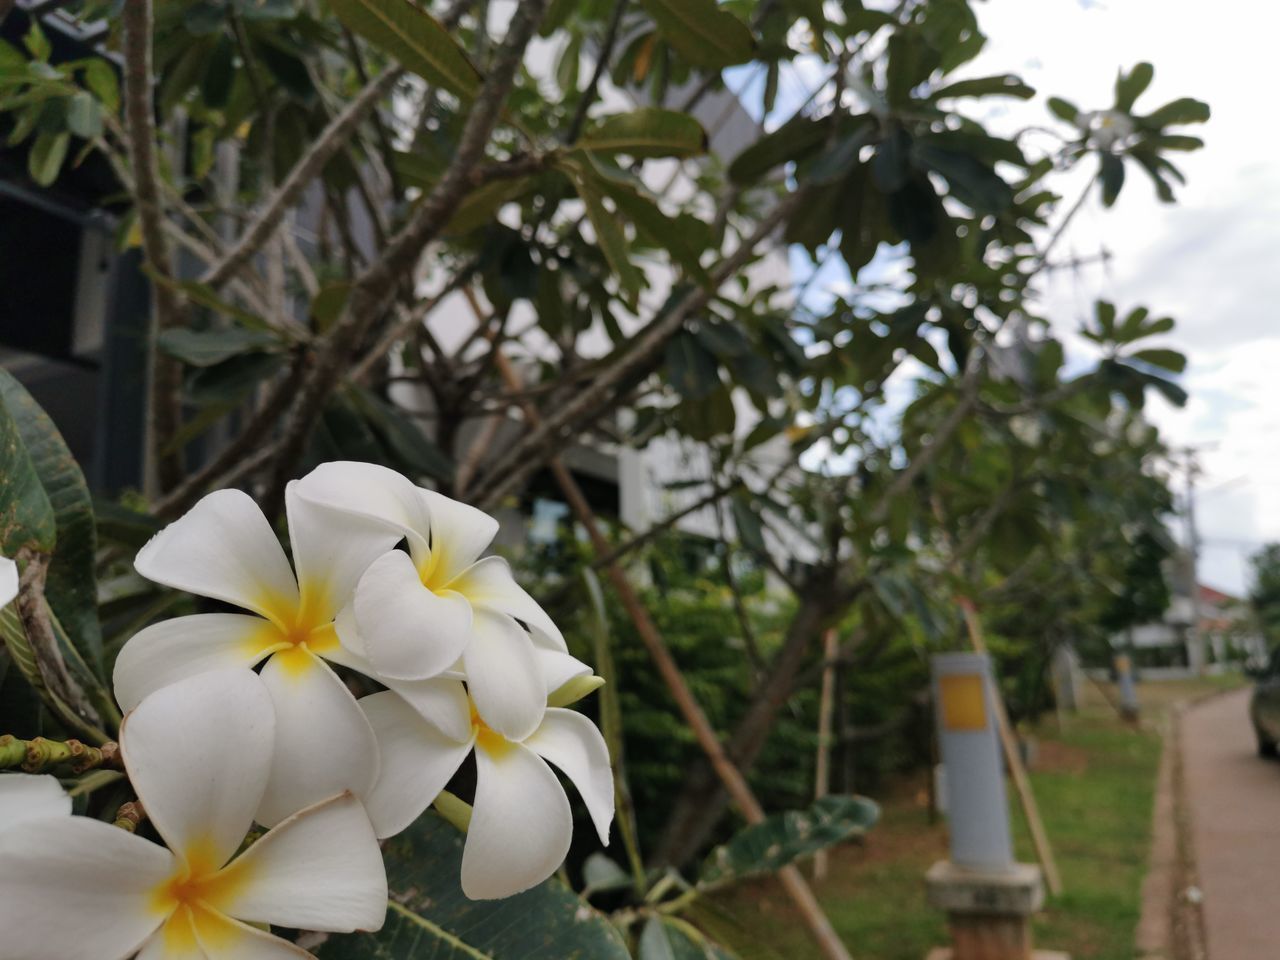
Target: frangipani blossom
[(198, 754), (521, 825), (26, 796), (8, 581), (223, 548), (416, 613)]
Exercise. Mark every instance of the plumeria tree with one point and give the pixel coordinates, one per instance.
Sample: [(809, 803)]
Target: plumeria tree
[(402, 257)]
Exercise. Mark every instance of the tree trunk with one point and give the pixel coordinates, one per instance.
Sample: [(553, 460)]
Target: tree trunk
[(703, 801)]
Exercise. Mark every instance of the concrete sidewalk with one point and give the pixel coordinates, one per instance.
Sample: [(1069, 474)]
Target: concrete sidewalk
[(1234, 802)]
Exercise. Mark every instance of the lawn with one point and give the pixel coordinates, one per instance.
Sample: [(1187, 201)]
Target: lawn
[(1094, 781)]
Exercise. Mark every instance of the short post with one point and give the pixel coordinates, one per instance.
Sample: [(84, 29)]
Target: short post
[(988, 897)]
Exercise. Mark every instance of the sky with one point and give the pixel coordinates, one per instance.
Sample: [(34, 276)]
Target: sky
[(1212, 261)]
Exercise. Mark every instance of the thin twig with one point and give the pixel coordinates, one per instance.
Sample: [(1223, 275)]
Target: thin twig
[(602, 64)]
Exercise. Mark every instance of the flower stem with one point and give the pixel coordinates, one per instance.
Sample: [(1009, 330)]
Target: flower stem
[(40, 755), (130, 815)]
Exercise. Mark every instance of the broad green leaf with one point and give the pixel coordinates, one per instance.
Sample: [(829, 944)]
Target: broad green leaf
[(479, 207), (204, 348), (1166, 359), (647, 132), (600, 873), (84, 116), (429, 916), (413, 37), (401, 435), (701, 32), (100, 78), (794, 140), (71, 586), (671, 938), (684, 237), (691, 367), (1112, 176), (205, 296), (1064, 109), (46, 156), (1004, 85), (972, 182), (609, 233), (1183, 110), (785, 837), (748, 524), (26, 516), (1129, 86)]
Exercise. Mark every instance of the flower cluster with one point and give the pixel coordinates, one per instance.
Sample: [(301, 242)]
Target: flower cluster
[(237, 718)]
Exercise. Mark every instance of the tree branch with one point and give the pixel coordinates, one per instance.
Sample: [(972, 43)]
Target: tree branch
[(525, 457), (370, 292), (165, 406), (602, 64), (332, 139)]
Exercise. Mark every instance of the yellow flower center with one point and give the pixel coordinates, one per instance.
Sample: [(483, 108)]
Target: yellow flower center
[(294, 629), (487, 739), (191, 898)]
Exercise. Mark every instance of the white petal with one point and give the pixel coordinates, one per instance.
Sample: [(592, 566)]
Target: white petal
[(520, 825), (172, 650), (26, 797), (572, 743), (490, 583), (8, 580), (223, 548), (409, 632), (198, 752), (74, 888), (206, 935), (417, 762), (331, 549), (373, 492), (559, 668), (440, 701), (321, 869), (323, 744), (503, 675), (459, 534), (176, 940)]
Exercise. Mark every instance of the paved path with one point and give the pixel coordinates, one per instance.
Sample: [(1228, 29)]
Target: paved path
[(1234, 799)]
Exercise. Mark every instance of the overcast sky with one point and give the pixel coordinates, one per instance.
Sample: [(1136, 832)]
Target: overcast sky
[(1212, 261)]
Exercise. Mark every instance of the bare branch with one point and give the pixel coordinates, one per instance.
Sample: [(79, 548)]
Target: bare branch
[(525, 457), (165, 407), (371, 290), (332, 139)]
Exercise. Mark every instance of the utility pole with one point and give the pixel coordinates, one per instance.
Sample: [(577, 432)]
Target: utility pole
[(1195, 646)]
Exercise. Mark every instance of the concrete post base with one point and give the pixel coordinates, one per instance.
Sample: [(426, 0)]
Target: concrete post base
[(988, 913)]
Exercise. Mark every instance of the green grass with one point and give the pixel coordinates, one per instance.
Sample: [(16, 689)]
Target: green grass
[(1095, 786)]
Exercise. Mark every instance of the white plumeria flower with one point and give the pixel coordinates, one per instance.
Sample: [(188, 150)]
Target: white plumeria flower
[(199, 754), (224, 548), (521, 825), (416, 613), (25, 797), (8, 581)]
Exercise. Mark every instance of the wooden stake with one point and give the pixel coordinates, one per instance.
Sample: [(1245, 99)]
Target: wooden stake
[(739, 790), (1040, 839), (826, 708)]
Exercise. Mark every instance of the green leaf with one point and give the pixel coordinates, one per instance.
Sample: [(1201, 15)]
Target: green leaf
[(794, 140), (26, 516), (671, 938), (1063, 109), (1165, 359), (1129, 86), (71, 586), (972, 182), (46, 156), (691, 368), (84, 115), (684, 237), (609, 233), (204, 348), (402, 436), (647, 132), (479, 207), (429, 916), (204, 295), (702, 32), (413, 37), (748, 524), (1112, 175), (100, 78), (783, 838), (1003, 85), (1183, 110)]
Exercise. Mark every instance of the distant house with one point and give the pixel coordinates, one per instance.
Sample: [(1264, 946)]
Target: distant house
[(1222, 635)]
